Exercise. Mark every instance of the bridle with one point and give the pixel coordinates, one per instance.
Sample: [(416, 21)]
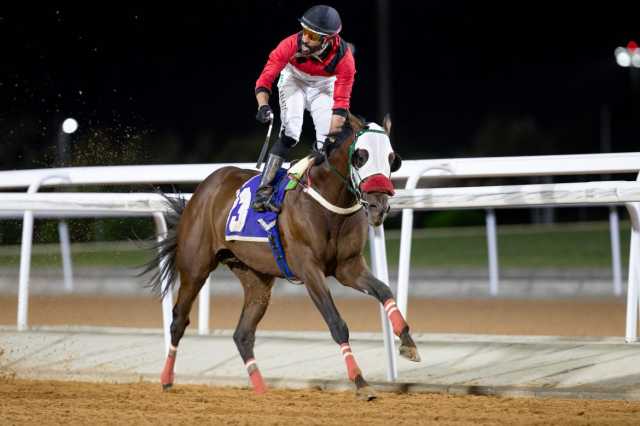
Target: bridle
[(348, 181)]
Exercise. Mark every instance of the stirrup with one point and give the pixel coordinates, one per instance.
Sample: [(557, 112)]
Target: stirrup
[(263, 206), (262, 202), (268, 205)]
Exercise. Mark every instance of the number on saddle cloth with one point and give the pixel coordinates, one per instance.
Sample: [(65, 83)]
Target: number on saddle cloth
[(246, 224)]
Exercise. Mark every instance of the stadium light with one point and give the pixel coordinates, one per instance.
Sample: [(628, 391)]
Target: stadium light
[(69, 125)]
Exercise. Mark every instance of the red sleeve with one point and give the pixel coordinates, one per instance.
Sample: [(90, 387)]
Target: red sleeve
[(278, 58), (345, 74)]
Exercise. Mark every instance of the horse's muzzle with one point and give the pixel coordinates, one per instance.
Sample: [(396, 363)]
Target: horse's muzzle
[(377, 207)]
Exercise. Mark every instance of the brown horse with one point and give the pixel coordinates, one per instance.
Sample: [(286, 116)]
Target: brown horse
[(321, 237)]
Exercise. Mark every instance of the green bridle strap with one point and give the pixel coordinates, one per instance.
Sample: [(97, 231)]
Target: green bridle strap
[(346, 181), (349, 182), (367, 130)]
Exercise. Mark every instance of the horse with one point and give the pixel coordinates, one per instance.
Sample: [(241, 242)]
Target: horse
[(323, 227)]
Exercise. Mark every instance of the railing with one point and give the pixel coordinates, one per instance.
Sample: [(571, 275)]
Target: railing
[(412, 170)]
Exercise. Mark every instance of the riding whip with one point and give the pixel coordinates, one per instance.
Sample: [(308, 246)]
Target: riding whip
[(265, 145)]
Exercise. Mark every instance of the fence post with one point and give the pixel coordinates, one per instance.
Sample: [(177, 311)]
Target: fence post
[(614, 231), (404, 262), (203, 307), (379, 265), (631, 332), (167, 300), (25, 254), (65, 251), (25, 269), (492, 246)]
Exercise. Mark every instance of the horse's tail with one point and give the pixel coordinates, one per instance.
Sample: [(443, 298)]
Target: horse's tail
[(163, 264)]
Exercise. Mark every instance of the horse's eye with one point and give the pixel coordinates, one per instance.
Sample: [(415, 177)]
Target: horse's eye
[(359, 158), (395, 161)]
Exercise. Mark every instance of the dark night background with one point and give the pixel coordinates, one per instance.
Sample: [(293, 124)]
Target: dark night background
[(174, 84)]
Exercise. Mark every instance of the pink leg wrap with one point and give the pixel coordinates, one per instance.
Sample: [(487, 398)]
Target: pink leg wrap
[(352, 367), (257, 382), (397, 322), (166, 377)]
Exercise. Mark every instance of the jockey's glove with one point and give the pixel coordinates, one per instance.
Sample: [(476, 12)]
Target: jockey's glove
[(265, 114)]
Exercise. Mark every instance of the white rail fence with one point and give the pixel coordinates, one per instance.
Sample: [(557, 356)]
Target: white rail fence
[(412, 170), (489, 197)]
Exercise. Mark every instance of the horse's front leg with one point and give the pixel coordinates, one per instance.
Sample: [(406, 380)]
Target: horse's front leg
[(316, 286), (354, 273)]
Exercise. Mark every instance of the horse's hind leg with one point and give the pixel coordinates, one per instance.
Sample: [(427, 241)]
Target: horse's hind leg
[(191, 281), (257, 293), (354, 273)]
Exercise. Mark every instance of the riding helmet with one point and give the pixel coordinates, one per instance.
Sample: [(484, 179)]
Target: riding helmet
[(322, 19)]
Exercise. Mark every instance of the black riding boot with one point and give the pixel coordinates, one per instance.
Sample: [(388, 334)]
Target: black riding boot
[(263, 200)]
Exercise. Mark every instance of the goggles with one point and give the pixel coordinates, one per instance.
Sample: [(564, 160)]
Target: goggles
[(312, 35)]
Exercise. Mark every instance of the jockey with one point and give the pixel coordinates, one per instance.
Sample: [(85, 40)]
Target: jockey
[(316, 70)]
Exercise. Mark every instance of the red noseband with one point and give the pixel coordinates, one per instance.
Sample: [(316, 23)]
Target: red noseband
[(378, 183)]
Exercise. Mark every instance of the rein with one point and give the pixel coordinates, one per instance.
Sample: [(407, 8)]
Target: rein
[(308, 189)]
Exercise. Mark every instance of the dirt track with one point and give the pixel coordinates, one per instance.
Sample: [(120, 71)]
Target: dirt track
[(34, 402)]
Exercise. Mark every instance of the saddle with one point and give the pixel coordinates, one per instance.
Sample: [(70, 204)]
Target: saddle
[(246, 224)]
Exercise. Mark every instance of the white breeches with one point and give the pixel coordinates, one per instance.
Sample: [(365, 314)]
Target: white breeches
[(299, 91)]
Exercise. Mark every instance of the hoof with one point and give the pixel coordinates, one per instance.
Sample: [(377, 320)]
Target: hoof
[(366, 393), (166, 379), (257, 382), (410, 353)]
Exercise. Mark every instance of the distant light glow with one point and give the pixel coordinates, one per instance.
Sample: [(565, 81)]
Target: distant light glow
[(628, 56), (622, 57), (69, 125)]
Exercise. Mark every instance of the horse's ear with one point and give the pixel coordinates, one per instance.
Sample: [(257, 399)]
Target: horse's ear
[(386, 123), (396, 162)]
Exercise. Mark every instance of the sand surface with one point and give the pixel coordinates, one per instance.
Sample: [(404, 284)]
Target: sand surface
[(71, 403), (48, 402)]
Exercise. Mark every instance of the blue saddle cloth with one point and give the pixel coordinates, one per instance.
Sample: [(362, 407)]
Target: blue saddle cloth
[(246, 224)]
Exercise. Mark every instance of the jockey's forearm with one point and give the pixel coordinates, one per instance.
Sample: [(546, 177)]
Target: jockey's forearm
[(262, 98)]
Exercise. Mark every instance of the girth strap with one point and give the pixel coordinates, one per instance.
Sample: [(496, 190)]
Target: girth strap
[(278, 253)]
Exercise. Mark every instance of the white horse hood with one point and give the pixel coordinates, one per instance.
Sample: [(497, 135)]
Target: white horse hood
[(374, 174)]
